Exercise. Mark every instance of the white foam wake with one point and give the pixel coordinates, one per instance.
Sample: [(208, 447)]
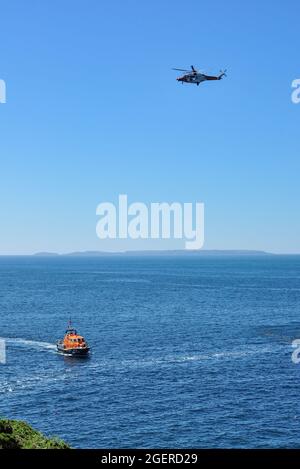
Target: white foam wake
[(17, 341), (176, 359)]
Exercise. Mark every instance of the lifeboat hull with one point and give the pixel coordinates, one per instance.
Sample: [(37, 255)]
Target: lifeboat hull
[(72, 352)]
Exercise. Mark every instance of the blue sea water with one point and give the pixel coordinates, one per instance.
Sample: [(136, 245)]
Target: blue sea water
[(186, 351)]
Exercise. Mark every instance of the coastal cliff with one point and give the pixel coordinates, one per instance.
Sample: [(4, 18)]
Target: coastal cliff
[(15, 434)]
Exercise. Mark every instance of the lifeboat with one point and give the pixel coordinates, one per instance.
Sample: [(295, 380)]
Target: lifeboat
[(73, 344)]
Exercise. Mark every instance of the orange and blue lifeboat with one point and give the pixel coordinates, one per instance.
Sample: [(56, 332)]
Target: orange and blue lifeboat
[(73, 344)]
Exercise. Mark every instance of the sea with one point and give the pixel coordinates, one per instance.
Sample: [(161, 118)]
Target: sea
[(186, 352)]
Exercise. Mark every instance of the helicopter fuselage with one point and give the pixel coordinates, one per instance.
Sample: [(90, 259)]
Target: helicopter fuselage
[(195, 78)]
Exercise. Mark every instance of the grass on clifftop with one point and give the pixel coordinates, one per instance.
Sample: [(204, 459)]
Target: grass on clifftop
[(15, 434)]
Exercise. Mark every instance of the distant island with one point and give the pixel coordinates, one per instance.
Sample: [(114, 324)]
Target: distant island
[(15, 434), (158, 253), (46, 254)]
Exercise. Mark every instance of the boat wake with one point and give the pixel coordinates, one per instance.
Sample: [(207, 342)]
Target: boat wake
[(19, 342), (171, 360)]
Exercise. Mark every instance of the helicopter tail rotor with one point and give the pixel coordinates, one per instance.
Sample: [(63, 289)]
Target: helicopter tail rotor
[(222, 74)]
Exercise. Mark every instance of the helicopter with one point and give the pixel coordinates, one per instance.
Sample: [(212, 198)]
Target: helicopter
[(197, 77)]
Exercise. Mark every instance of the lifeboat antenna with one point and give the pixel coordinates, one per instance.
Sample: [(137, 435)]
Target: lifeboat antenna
[(69, 324)]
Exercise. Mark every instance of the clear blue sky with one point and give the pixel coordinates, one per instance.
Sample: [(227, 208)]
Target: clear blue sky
[(94, 110)]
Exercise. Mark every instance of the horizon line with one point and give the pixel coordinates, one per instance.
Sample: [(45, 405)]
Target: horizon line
[(94, 253)]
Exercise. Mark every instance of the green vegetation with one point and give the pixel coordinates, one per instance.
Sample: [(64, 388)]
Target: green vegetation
[(15, 434)]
